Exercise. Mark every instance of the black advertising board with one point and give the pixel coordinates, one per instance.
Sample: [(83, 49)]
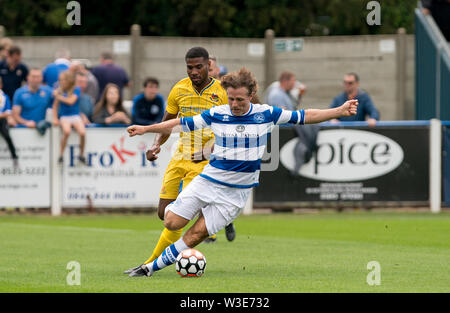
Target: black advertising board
[(355, 165)]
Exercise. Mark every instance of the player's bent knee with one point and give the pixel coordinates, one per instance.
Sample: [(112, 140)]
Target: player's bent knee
[(174, 222)]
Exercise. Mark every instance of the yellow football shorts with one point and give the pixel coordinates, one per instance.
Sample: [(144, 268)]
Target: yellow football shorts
[(179, 170)]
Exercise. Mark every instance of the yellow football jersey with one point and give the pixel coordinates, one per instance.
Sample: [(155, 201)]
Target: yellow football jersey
[(186, 101)]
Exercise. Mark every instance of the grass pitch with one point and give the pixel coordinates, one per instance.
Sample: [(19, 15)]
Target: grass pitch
[(325, 252)]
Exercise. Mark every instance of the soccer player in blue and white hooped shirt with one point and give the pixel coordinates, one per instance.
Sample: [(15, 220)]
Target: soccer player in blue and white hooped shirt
[(220, 192)]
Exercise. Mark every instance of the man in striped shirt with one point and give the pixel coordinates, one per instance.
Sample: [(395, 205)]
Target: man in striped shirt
[(221, 190)]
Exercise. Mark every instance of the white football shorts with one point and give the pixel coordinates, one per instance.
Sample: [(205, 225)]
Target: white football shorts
[(219, 204)]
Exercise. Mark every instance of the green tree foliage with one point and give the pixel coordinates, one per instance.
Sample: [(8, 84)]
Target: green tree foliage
[(206, 18)]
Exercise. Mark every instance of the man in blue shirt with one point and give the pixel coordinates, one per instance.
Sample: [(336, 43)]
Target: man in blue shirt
[(51, 71), (279, 96), (148, 106), (12, 71), (366, 108), (30, 102), (109, 72)]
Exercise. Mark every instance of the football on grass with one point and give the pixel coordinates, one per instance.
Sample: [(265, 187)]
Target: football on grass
[(190, 262)]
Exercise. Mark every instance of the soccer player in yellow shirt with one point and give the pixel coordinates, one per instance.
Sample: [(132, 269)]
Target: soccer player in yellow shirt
[(190, 96)]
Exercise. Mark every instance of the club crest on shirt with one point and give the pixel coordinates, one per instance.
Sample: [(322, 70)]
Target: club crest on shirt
[(214, 97), (226, 118), (258, 117), (240, 128), (42, 94)]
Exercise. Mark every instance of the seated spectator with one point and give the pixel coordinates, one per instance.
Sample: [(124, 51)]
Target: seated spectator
[(279, 93), (366, 108), (85, 102), (66, 112), (110, 110), (30, 102), (12, 71), (108, 72), (5, 112), (5, 44), (148, 106), (51, 71)]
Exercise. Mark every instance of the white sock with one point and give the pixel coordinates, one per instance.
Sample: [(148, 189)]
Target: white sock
[(168, 256)]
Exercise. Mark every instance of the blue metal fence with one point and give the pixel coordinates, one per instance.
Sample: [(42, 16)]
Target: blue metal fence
[(432, 70)]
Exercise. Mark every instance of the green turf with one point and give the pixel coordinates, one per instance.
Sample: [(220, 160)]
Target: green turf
[(326, 252)]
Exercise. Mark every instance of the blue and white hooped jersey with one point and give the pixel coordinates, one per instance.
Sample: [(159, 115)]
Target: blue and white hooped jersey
[(240, 141)]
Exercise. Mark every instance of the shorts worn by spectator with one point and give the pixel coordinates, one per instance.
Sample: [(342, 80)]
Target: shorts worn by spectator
[(366, 108), (148, 106), (306, 145), (30, 102), (12, 71), (109, 72)]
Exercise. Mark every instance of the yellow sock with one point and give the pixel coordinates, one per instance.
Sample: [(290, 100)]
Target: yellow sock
[(213, 236), (167, 238)]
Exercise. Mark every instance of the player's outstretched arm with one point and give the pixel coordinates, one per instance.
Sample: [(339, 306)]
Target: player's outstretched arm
[(162, 128), (313, 116)]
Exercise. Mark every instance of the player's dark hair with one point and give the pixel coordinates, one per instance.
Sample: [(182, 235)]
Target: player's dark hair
[(151, 80), (354, 75), (243, 78), (197, 52)]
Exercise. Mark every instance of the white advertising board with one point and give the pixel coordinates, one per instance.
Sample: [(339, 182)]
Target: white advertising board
[(117, 173), (27, 185)]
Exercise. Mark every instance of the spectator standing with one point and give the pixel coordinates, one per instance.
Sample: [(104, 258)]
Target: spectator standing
[(366, 108), (5, 112), (30, 102), (280, 94), (108, 72), (12, 71), (66, 112), (110, 110), (51, 71), (148, 106), (85, 102)]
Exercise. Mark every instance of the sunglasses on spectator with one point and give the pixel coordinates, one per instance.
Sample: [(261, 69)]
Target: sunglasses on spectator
[(349, 82)]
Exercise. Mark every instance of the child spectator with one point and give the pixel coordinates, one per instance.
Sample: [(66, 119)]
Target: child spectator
[(66, 107)]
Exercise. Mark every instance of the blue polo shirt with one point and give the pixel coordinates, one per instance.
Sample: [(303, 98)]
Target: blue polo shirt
[(34, 104), (51, 72), (110, 73), (5, 104), (365, 107), (12, 80), (69, 110)]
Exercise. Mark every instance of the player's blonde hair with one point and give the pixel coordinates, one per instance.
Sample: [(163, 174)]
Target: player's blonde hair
[(242, 78)]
